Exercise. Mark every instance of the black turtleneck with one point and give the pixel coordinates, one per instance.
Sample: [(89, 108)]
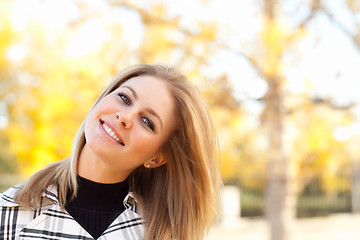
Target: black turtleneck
[(97, 205)]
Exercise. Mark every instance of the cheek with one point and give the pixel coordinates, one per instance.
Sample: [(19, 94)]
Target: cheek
[(147, 146), (91, 116), (90, 123)]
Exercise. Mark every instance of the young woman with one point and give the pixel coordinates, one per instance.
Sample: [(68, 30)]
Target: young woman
[(144, 166)]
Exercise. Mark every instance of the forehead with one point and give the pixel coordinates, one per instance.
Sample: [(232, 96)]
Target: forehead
[(146, 81)]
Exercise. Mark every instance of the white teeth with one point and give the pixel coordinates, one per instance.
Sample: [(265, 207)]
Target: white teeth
[(111, 133)]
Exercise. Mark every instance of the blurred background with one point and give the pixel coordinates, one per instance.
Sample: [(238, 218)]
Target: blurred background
[(281, 78)]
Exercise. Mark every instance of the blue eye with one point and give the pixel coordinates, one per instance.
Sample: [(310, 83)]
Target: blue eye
[(148, 123), (125, 98)]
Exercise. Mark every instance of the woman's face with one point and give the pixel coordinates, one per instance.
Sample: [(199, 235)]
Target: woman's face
[(127, 127)]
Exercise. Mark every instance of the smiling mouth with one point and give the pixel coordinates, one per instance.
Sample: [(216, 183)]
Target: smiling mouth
[(111, 133)]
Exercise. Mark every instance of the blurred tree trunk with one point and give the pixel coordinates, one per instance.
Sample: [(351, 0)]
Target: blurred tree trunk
[(278, 194), (280, 200)]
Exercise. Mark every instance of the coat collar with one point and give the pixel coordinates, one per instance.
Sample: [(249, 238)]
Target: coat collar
[(7, 197), (50, 196), (51, 193)]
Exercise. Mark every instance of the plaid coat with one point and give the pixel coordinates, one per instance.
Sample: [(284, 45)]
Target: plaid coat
[(50, 222)]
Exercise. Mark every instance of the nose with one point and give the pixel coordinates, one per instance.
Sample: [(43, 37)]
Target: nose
[(125, 119)]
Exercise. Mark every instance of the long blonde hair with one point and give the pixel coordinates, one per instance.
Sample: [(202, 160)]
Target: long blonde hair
[(178, 200)]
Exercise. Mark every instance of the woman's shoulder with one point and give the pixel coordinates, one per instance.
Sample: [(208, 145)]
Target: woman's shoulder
[(49, 195), (16, 216)]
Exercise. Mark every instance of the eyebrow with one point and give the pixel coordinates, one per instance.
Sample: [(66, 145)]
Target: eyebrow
[(150, 110), (132, 91)]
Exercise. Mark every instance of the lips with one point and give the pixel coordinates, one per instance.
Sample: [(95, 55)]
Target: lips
[(111, 133)]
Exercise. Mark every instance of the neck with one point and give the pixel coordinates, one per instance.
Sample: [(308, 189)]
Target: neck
[(97, 170)]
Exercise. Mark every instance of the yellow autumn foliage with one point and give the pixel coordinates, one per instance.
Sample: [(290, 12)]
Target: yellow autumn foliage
[(7, 34), (318, 153), (276, 38)]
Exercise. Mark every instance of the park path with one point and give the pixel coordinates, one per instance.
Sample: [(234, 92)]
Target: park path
[(334, 227)]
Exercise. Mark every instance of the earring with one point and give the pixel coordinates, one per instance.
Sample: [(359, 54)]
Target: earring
[(148, 165)]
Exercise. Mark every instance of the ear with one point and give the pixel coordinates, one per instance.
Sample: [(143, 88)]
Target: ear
[(156, 162)]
